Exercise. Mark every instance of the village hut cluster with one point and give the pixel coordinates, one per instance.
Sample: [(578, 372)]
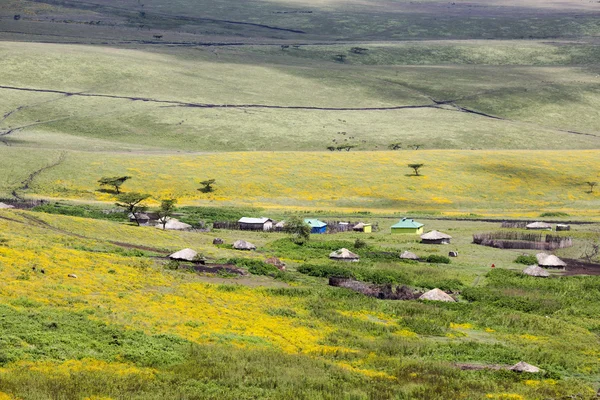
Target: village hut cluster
[(544, 262)]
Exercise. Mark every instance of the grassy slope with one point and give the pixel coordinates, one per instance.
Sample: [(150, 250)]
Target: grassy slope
[(542, 89), (374, 349), (484, 182)]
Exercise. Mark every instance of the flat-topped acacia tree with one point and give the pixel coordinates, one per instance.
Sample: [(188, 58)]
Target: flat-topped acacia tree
[(132, 203), (114, 181), (416, 168)]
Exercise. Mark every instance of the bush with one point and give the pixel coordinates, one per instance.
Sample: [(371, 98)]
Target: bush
[(437, 259), (359, 244), (526, 259), (256, 267), (325, 271), (554, 214)]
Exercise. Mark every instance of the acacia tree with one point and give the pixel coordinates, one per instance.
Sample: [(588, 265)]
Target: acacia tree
[(591, 185), (207, 186), (132, 203), (166, 210), (299, 230), (416, 168), (114, 181)]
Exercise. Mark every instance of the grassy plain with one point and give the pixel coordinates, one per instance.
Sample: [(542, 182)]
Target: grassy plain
[(127, 327), (504, 183)]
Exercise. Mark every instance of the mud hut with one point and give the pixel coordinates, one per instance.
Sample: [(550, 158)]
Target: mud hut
[(522, 366), (174, 225), (407, 255), (184, 255), (539, 226), (534, 270), (255, 224), (435, 237), (436, 295), (362, 227), (243, 245), (344, 255), (552, 261)]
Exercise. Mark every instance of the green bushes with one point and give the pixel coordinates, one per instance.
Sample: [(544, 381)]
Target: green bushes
[(80, 211), (376, 276), (526, 260), (256, 267), (437, 259)]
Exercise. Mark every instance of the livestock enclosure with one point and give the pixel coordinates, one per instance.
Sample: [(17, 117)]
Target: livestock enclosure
[(520, 240)]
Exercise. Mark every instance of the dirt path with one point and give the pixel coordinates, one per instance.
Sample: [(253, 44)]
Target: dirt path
[(24, 185)]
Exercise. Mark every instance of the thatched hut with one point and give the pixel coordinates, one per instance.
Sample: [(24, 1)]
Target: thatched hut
[(522, 366), (184, 255), (5, 206), (435, 237), (243, 245), (552, 261), (534, 270), (174, 225), (344, 255), (407, 255), (539, 226), (436, 295)]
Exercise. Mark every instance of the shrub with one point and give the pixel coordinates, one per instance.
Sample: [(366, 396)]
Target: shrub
[(325, 271), (359, 244), (256, 267), (554, 214), (526, 259), (172, 265), (437, 259)]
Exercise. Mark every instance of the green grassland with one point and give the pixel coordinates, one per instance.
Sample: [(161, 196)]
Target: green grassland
[(104, 333), (537, 91), (503, 183)]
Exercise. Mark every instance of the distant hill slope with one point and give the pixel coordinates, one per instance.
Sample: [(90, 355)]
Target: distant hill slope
[(461, 95)]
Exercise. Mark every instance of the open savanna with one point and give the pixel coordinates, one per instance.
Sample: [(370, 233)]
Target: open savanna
[(244, 98), (509, 183), (128, 327)]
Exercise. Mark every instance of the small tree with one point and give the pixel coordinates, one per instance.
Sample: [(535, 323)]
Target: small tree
[(132, 203), (114, 181), (416, 167), (299, 230), (358, 50), (340, 57), (207, 186), (591, 185), (395, 146), (166, 210), (331, 148)]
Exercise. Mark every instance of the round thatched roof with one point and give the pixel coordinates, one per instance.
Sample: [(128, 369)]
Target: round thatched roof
[(2, 205), (407, 255), (243, 245), (360, 225), (175, 225), (343, 254), (436, 295), (185, 255), (541, 256), (280, 224), (435, 235), (552, 261), (534, 270), (522, 366)]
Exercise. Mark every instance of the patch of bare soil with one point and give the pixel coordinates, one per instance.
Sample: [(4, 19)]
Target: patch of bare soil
[(579, 267)]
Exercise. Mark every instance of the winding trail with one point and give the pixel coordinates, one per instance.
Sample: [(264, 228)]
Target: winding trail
[(24, 185)]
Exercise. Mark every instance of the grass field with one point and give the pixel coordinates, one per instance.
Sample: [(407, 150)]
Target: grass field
[(507, 183), (149, 324)]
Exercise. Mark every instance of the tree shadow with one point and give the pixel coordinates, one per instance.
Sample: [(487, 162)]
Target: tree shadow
[(107, 191)]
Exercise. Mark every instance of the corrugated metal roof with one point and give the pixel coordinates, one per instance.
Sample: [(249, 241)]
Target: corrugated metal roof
[(407, 223), (315, 223), (247, 220)]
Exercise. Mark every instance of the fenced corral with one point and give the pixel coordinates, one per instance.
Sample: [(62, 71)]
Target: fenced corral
[(23, 204), (332, 227), (514, 224), (521, 240)]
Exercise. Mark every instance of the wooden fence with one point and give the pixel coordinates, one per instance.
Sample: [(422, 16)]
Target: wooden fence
[(332, 227), (515, 224), (23, 204), (519, 240)]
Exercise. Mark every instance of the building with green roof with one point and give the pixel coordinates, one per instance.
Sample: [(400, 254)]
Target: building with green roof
[(408, 226)]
